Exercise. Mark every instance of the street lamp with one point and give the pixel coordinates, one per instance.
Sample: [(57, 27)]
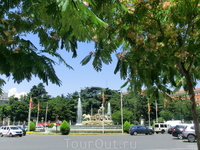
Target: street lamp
[(56, 123), (42, 120)]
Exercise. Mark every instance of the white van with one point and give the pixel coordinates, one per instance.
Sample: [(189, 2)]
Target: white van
[(173, 122), (161, 127)]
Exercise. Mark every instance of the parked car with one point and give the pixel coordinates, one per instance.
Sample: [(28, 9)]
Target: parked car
[(189, 133), (11, 131), (1, 128), (177, 131), (170, 130), (39, 128), (24, 131), (138, 129), (161, 127)]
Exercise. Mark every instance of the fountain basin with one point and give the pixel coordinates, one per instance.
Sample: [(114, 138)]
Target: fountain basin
[(96, 129)]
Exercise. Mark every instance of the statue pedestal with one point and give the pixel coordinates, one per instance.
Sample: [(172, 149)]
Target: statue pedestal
[(98, 123)]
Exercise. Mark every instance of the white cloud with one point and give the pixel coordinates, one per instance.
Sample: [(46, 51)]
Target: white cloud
[(13, 91)]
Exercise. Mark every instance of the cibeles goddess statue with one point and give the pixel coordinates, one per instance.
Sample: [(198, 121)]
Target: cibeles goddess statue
[(97, 118)]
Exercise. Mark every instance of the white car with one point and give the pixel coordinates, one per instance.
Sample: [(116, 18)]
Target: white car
[(161, 127), (11, 131), (1, 128), (39, 128)]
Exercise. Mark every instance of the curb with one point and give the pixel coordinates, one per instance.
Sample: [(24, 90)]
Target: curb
[(43, 133)]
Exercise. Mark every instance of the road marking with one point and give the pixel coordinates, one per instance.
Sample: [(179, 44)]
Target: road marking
[(174, 149)]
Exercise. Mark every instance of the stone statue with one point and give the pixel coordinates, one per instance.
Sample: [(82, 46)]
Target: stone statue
[(97, 119), (100, 110), (86, 117)]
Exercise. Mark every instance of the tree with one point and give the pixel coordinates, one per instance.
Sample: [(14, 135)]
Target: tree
[(127, 115), (57, 24), (166, 115), (62, 108), (19, 111), (91, 98), (160, 44)]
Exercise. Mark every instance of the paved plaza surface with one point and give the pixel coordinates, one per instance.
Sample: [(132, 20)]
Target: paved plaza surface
[(95, 142)]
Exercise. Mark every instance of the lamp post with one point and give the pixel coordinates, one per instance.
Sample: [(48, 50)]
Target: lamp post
[(121, 96), (4, 120), (56, 123), (42, 120)]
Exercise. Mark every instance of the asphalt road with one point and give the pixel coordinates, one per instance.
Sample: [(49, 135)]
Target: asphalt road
[(95, 142)]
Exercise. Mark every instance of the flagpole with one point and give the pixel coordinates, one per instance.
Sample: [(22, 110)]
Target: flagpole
[(38, 114), (122, 113), (37, 118), (156, 111), (29, 117), (29, 112), (103, 118), (103, 102), (149, 113), (46, 117)]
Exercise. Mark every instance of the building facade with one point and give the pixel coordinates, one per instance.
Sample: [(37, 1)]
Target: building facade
[(182, 92), (4, 98)]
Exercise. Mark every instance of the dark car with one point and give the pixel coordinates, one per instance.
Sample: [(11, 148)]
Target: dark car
[(24, 131), (177, 130), (170, 130), (138, 129)]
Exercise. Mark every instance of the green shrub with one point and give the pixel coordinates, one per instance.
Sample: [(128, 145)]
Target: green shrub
[(32, 126), (126, 126), (51, 125), (64, 128), (153, 125)]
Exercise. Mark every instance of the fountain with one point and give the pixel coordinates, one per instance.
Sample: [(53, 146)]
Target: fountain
[(79, 112), (97, 123), (97, 119)]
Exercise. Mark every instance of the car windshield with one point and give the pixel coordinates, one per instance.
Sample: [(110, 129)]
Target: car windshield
[(14, 128)]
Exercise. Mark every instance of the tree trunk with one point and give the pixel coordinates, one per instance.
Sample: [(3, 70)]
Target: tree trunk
[(193, 107)]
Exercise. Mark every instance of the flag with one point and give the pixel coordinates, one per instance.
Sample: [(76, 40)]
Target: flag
[(31, 103), (103, 99), (38, 106), (149, 107)]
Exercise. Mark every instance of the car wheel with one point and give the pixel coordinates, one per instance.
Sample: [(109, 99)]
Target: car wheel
[(10, 135), (163, 131), (156, 132), (150, 133), (20, 135), (135, 133), (180, 136), (191, 138)]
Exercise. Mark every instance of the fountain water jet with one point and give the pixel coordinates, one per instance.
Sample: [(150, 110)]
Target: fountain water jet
[(79, 112), (109, 110)]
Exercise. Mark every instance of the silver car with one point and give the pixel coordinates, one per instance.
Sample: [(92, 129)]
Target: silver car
[(189, 133)]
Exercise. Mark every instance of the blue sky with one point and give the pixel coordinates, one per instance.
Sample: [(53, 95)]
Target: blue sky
[(72, 80)]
